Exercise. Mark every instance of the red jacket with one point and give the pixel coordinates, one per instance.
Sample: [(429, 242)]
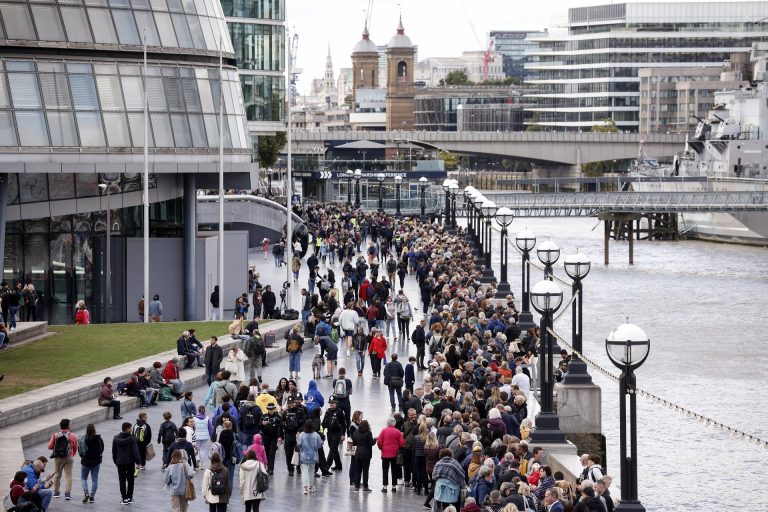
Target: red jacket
[(389, 442), (379, 345), (363, 291), (171, 371)]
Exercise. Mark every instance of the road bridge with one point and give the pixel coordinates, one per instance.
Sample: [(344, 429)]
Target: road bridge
[(542, 147)]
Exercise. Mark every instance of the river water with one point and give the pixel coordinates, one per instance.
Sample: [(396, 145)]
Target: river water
[(702, 306)]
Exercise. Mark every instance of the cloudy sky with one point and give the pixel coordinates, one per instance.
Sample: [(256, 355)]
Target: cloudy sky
[(441, 28)]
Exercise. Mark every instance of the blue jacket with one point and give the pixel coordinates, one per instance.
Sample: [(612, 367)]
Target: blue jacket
[(32, 477), (482, 490), (313, 399), (308, 444)]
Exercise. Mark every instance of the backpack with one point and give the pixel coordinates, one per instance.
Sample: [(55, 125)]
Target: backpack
[(138, 433), (237, 452), (61, 445), (523, 466), (219, 484), (216, 447), (165, 394), (258, 347), (249, 347), (391, 266), (340, 389), (250, 418), (293, 345), (82, 448), (473, 489), (262, 480), (170, 435)]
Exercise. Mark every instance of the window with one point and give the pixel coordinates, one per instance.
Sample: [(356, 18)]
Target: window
[(32, 131), (76, 24), (181, 131), (55, 91), (63, 131), (109, 93), (126, 27), (182, 31), (91, 130), (83, 92), (24, 90), (7, 133), (165, 28), (161, 126), (134, 92), (117, 130), (145, 21), (136, 122), (18, 23), (103, 30), (48, 23)]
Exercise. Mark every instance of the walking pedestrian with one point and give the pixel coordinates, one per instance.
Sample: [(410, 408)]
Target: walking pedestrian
[(176, 478), (215, 488), (394, 378), (64, 447), (390, 441), (377, 350), (125, 455), (308, 444), (249, 490), (91, 450), (363, 441), (142, 432)]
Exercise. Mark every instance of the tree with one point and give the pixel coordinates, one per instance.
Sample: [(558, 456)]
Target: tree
[(597, 169), (269, 147), (457, 78), (450, 159)]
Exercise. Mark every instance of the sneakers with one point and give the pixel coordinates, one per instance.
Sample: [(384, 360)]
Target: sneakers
[(114, 418), (90, 499), (366, 489), (394, 489), (86, 498), (67, 496), (56, 494), (136, 472), (306, 490), (312, 489), (124, 501), (383, 489)]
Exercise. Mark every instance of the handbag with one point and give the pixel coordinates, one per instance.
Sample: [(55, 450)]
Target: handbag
[(189, 490), (400, 460), (7, 501), (295, 458), (150, 452), (351, 449)]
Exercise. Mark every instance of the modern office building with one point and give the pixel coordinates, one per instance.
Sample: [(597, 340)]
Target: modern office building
[(71, 119), (257, 29), (590, 72), (516, 48)]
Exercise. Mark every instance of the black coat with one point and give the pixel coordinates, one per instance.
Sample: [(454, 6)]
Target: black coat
[(269, 300), (393, 369), (213, 358), (124, 449), (94, 452), (364, 441), (418, 337)]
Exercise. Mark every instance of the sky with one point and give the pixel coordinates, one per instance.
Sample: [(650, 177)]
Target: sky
[(440, 28)]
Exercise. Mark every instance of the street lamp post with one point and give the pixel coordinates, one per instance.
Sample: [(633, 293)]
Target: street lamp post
[(504, 217), (546, 298), (577, 267), (358, 174), (349, 174), (628, 347), (548, 253), (468, 209), (398, 181), (423, 185), (104, 188), (380, 178), (489, 211), (478, 199), (453, 189), (526, 241)]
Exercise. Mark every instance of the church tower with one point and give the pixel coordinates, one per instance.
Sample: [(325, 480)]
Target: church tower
[(329, 82), (365, 63), (400, 89)]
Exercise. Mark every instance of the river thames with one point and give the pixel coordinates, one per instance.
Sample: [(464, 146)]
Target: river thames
[(702, 306)]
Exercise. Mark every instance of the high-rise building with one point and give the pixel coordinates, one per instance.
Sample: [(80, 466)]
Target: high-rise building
[(515, 47), (257, 29), (590, 73)]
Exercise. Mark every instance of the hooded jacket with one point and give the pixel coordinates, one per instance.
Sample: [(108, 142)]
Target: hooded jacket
[(248, 470), (313, 399), (124, 449), (258, 448)]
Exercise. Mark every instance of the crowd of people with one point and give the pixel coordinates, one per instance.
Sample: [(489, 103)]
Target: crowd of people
[(458, 432)]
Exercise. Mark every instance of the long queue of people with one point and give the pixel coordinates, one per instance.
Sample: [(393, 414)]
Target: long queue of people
[(459, 425)]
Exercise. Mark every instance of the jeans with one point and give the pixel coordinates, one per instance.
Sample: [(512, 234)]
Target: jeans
[(46, 495), (254, 369), (214, 313), (360, 360), (307, 475), (231, 470), (304, 317), (353, 470), (294, 362), (12, 311), (125, 476), (177, 385), (311, 286), (363, 465), (278, 259), (390, 325), (202, 448), (388, 464), (403, 326), (94, 472), (252, 505), (392, 391), (63, 467)]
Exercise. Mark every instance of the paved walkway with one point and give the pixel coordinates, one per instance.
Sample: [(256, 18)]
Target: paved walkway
[(334, 493)]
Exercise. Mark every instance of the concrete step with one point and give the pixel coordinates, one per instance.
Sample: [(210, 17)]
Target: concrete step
[(26, 332)]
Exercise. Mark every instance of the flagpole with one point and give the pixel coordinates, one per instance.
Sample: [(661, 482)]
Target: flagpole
[(146, 185), (221, 179), (288, 179)]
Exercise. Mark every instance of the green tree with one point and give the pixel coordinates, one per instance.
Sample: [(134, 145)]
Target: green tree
[(269, 147), (457, 78), (597, 169)]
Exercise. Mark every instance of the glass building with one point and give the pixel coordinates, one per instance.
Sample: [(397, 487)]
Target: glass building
[(72, 95), (590, 73), (516, 48), (257, 29)]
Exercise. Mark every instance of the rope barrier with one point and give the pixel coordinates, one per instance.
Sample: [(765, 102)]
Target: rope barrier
[(709, 422)]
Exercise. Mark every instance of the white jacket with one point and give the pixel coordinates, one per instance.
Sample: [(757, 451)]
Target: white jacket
[(247, 479), (235, 364), (348, 319)]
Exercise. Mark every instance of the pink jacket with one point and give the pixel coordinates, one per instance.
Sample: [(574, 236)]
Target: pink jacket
[(390, 441), (258, 448)]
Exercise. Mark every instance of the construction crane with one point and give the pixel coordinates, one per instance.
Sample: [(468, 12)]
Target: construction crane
[(487, 53), (369, 13), (293, 53)]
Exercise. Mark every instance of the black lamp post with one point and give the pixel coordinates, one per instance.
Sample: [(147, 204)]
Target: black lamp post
[(453, 189), (447, 188), (349, 174), (546, 298), (526, 241), (477, 200), (548, 253), (628, 347), (468, 206), (504, 217), (577, 267), (423, 184), (398, 181), (380, 179), (489, 211), (358, 175)]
